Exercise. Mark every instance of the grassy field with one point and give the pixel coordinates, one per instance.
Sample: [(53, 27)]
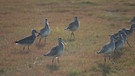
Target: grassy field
[(98, 19)]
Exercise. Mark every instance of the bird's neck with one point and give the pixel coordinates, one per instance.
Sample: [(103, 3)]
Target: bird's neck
[(112, 40), (61, 44), (124, 34), (131, 29), (76, 20), (33, 34), (121, 37), (46, 25)]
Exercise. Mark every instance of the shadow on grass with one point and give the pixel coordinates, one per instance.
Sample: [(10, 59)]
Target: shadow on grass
[(39, 46), (105, 69), (53, 67), (1, 72), (21, 52), (71, 40), (117, 55)]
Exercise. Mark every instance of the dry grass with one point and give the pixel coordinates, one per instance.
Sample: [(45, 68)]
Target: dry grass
[(98, 18)]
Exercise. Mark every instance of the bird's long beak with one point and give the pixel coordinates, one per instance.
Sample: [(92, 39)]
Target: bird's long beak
[(129, 20), (64, 43), (37, 34)]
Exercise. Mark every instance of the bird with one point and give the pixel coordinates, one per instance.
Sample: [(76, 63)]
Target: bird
[(73, 26), (132, 20), (27, 41), (108, 49), (129, 31), (44, 32), (56, 51)]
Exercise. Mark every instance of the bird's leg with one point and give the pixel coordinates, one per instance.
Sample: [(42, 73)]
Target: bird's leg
[(109, 57), (73, 35), (23, 48), (28, 48), (39, 40), (112, 58), (58, 60), (115, 52), (128, 43), (105, 59), (53, 60), (45, 40)]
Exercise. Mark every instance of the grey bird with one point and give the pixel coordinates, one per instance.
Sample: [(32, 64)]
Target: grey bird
[(44, 32), (108, 49), (73, 26), (56, 51), (27, 41), (132, 20)]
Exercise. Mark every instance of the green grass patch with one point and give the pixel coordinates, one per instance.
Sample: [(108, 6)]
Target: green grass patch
[(112, 16), (88, 2), (51, 1), (74, 72), (130, 3), (1, 71)]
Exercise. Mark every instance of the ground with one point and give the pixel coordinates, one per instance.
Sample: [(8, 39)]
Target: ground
[(98, 19)]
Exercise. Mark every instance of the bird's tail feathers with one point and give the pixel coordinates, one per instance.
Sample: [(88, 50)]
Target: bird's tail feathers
[(46, 55), (16, 42), (130, 21), (99, 52), (65, 29)]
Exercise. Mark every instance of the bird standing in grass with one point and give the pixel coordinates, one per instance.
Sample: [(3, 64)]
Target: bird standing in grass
[(56, 51), (108, 49), (27, 41), (44, 32), (73, 26)]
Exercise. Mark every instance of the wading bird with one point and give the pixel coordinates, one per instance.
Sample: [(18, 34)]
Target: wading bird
[(44, 32), (108, 49), (73, 26), (56, 51), (27, 41)]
